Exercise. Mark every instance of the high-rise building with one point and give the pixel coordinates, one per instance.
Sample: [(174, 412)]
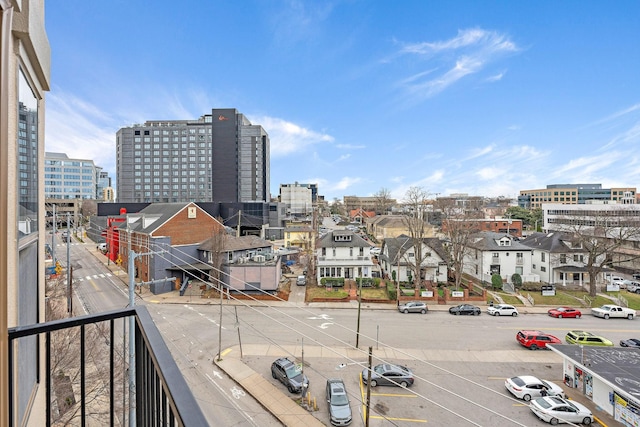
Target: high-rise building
[(220, 157), (299, 198), (66, 178), (575, 194), (25, 59)]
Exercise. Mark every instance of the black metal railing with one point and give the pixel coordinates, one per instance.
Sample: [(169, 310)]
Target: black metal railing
[(162, 397)]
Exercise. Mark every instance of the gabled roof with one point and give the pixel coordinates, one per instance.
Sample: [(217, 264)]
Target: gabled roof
[(391, 221), (356, 241), (486, 241), (155, 216), (402, 243), (233, 243), (554, 242)]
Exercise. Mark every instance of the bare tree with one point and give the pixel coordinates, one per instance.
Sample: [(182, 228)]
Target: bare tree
[(217, 253), (416, 223), (601, 234), (383, 201), (459, 225)]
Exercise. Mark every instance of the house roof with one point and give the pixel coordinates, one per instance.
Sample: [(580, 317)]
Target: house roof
[(553, 242), (486, 241), (298, 228), (356, 241), (402, 243), (154, 216), (233, 243)]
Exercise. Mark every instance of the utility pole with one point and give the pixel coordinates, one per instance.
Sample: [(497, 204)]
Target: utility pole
[(359, 304), (366, 415), (68, 266), (132, 324)]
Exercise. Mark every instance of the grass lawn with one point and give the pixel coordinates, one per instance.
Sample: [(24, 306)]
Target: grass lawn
[(322, 292), (576, 299), (507, 298), (375, 293)]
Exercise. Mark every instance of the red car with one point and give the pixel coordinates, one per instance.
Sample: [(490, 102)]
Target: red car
[(561, 312), (534, 340)]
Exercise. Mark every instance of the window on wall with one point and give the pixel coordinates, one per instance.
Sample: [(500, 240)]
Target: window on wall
[(27, 159)]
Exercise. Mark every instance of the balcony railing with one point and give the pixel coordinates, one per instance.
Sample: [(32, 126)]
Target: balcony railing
[(162, 397)]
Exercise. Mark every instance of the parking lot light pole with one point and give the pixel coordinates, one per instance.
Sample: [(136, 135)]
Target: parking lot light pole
[(366, 415), (359, 304)]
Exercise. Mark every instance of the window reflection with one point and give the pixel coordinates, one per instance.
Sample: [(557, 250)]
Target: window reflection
[(27, 159)]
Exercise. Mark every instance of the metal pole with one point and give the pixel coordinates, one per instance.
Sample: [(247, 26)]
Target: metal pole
[(132, 325), (377, 335), (68, 265), (220, 326), (359, 303), (366, 414), (238, 326), (53, 237)]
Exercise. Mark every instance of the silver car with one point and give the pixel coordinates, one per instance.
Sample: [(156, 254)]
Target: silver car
[(388, 374), (555, 410), (338, 403), (413, 307)]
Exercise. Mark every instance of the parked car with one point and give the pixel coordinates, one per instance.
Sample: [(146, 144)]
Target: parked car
[(388, 374), (64, 236), (102, 247), (609, 310), (465, 309), (526, 387), (534, 340), (631, 342), (301, 281), (374, 250), (634, 287), (338, 403), (413, 307), (586, 338), (555, 410), (562, 312), (502, 310), (289, 374), (636, 276)]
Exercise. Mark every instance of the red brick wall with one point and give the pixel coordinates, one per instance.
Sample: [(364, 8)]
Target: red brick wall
[(184, 230)]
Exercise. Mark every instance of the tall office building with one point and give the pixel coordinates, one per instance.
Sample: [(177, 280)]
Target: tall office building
[(576, 194), (220, 157), (66, 178)]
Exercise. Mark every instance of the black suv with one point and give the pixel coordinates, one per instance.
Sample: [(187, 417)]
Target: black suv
[(289, 374)]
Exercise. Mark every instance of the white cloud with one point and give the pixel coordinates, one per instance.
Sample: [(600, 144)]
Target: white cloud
[(287, 137), (343, 157), (343, 184), (468, 53)]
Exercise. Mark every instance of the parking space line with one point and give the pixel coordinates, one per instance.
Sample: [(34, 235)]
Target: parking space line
[(394, 394), (413, 420)]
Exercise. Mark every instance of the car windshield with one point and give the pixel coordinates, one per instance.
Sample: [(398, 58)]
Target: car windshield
[(339, 399), (293, 371), (517, 381), (379, 369)]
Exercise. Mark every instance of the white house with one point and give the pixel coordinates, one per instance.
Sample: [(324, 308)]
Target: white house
[(498, 253), (398, 255), (342, 253)]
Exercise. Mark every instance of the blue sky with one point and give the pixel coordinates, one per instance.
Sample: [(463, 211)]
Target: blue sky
[(486, 98)]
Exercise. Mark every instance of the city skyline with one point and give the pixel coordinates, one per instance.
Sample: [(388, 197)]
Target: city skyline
[(483, 98)]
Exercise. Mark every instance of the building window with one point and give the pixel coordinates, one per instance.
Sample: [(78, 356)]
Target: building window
[(542, 256)]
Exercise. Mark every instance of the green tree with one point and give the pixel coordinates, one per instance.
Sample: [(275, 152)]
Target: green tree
[(496, 281), (516, 279)]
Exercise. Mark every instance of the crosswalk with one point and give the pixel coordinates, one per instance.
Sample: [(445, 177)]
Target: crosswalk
[(95, 276)]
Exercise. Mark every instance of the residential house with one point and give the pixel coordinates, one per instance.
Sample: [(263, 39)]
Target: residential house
[(299, 234), (398, 255), (496, 225), (498, 253), (359, 215), (557, 258), (248, 263), (389, 226), (165, 238), (343, 253)]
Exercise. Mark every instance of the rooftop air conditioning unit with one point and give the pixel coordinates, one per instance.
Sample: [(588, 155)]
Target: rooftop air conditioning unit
[(259, 258)]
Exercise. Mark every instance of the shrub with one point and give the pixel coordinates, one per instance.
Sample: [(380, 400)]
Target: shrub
[(334, 282), (392, 292), (516, 279), (368, 282), (496, 281)]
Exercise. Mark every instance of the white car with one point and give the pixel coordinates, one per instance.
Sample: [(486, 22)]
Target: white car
[(555, 410), (610, 310), (502, 310), (526, 387), (374, 250)]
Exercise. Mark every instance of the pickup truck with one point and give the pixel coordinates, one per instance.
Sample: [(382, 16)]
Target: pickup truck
[(610, 310), (633, 287)]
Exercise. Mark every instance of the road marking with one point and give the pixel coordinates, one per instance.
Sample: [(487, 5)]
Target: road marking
[(412, 420), (217, 374), (226, 351), (237, 393), (325, 325), (393, 394), (320, 317)]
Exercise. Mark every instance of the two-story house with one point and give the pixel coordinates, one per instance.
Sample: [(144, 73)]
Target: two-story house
[(398, 255), (558, 258), (298, 234), (248, 263), (490, 253), (342, 253)]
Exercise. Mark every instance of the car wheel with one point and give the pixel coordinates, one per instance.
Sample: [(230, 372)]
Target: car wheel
[(526, 397), (559, 316), (476, 313), (578, 316), (533, 347), (630, 317), (404, 384), (553, 421), (374, 383), (405, 311), (638, 291), (586, 421), (606, 316), (423, 311), (273, 374), (457, 313), (291, 389), (514, 314)]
